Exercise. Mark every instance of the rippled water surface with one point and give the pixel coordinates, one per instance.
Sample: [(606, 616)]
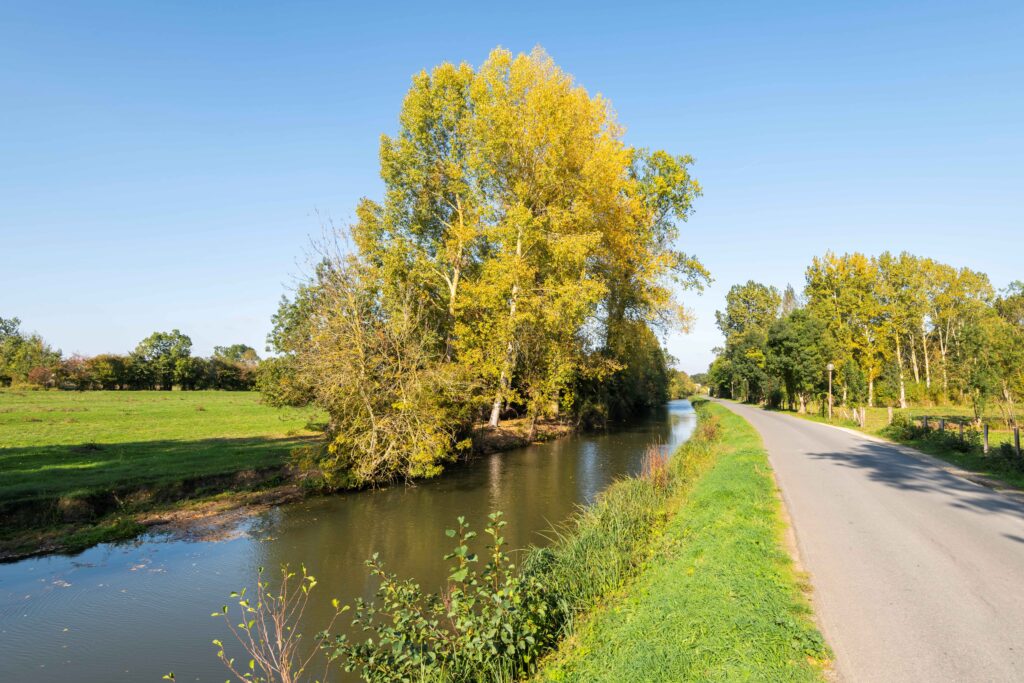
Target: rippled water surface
[(133, 612)]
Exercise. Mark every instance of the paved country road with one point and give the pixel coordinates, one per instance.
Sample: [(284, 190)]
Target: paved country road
[(918, 574)]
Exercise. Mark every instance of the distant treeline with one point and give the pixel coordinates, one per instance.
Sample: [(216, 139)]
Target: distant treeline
[(162, 360), (896, 330)]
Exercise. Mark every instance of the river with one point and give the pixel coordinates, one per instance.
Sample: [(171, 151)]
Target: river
[(134, 611)]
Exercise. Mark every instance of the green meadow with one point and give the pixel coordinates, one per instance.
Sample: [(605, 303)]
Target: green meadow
[(56, 444)]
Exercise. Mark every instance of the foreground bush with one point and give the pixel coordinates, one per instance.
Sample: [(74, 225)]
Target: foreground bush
[(489, 624)]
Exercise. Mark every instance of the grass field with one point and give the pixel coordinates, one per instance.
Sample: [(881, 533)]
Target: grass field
[(57, 444), (719, 600), (877, 419)]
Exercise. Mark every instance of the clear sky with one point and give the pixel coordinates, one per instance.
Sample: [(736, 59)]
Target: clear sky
[(163, 164)]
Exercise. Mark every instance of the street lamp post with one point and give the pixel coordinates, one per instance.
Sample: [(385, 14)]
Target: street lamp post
[(831, 367)]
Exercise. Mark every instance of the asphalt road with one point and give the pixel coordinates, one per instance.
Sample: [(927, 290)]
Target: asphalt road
[(918, 574)]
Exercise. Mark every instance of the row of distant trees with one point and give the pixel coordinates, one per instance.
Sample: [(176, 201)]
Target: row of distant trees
[(163, 360), (897, 330)]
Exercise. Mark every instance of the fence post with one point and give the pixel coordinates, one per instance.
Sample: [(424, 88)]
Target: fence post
[(863, 418), (890, 415), (942, 425), (961, 432), (984, 447), (924, 423), (1016, 440)]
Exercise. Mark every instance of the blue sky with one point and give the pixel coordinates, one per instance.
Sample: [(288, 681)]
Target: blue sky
[(163, 165)]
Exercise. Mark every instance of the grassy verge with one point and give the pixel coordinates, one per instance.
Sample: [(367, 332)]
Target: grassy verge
[(717, 598), (999, 465), (607, 543), (75, 466)]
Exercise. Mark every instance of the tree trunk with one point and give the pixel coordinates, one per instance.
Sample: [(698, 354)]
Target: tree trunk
[(453, 287), (913, 361), (899, 364), (803, 404), (506, 371), (1010, 411), (942, 356), (927, 368), (496, 406), (871, 392), (453, 281)]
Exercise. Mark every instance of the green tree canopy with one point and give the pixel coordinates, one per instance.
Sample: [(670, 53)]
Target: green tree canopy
[(752, 306), (237, 353), (799, 349), (161, 352)]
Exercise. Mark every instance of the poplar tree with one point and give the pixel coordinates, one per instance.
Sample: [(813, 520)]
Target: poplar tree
[(522, 254)]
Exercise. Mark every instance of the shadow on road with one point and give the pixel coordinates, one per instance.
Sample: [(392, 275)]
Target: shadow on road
[(888, 465)]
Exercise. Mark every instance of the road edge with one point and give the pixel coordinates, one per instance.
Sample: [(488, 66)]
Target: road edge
[(1011, 492), (791, 544)]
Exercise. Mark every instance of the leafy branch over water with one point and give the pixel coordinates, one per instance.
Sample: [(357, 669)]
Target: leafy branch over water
[(267, 631), (489, 623)]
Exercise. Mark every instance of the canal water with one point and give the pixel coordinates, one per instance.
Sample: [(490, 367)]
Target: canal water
[(135, 611)]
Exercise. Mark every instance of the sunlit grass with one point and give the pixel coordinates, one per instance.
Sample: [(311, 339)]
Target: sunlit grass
[(718, 600), (77, 443)]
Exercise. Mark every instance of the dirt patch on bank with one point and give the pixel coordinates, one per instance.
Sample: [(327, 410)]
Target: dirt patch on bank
[(219, 518), (516, 433)]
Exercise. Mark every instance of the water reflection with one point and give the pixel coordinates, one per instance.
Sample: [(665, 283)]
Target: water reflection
[(133, 612)]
